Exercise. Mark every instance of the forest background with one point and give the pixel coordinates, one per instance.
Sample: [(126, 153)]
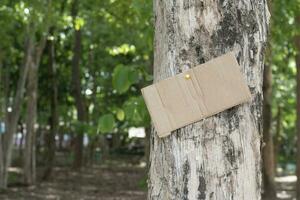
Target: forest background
[(71, 73)]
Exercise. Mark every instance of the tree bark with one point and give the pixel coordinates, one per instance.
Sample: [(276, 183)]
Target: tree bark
[(12, 117), (31, 115), (147, 146), (76, 84), (268, 157), (297, 43), (277, 138), (219, 157), (268, 168)]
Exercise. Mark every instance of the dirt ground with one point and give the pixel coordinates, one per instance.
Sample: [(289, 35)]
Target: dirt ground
[(97, 183), (105, 183)]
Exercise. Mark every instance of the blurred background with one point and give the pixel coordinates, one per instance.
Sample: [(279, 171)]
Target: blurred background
[(73, 124)]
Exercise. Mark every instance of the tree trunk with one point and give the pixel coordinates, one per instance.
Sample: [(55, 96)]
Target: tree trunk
[(50, 138), (277, 138), (4, 107), (31, 115), (268, 168), (297, 43), (22, 129), (2, 91), (104, 148), (29, 153), (219, 157), (12, 117), (147, 146), (76, 84)]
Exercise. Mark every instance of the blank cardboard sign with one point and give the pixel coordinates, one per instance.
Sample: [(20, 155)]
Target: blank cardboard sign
[(198, 93)]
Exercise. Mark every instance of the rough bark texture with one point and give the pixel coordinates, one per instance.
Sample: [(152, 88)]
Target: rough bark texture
[(297, 43), (268, 167), (217, 158)]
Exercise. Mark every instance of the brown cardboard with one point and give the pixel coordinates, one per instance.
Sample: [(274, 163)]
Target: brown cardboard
[(198, 93)]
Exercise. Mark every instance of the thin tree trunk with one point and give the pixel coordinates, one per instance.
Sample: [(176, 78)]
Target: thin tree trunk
[(104, 148), (29, 152), (50, 152), (4, 107), (13, 116), (2, 91), (297, 43), (21, 140), (147, 146), (217, 158), (277, 140), (268, 168), (31, 115), (76, 84)]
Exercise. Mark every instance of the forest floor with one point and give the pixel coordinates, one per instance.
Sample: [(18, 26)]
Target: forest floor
[(93, 183), (103, 183)]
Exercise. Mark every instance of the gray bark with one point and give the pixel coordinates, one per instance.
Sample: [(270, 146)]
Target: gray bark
[(218, 158)]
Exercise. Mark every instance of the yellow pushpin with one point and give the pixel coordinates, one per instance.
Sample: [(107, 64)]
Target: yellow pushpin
[(187, 76)]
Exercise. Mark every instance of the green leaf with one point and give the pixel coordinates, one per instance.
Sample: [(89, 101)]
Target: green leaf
[(106, 123), (133, 76), (136, 111), (120, 115), (120, 79)]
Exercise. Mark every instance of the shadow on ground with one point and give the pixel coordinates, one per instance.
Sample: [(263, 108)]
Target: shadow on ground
[(96, 183)]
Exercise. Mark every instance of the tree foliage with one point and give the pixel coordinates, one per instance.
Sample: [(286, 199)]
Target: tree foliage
[(282, 59)]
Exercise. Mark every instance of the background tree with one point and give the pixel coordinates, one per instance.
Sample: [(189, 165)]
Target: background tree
[(269, 166), (297, 44)]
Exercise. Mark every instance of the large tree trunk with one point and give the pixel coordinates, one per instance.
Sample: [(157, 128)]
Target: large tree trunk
[(31, 115), (297, 43), (12, 117), (76, 84), (50, 137), (268, 147), (217, 158)]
